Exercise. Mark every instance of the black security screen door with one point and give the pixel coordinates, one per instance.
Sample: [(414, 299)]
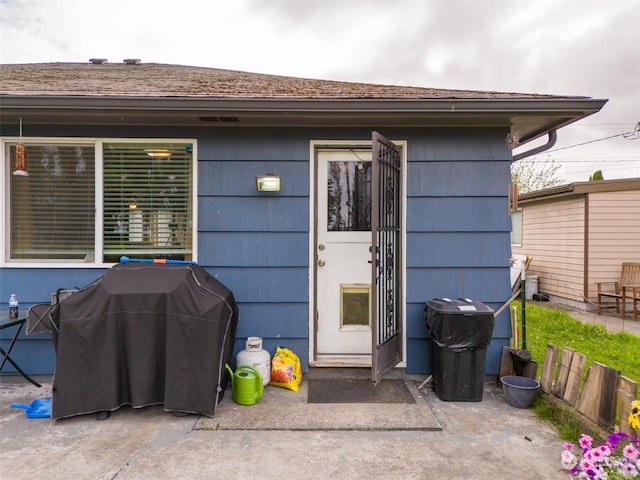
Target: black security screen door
[(386, 255)]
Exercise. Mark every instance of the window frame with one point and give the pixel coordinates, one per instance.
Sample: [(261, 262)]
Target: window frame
[(97, 142)]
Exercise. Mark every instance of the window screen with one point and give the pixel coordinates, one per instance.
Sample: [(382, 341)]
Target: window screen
[(146, 207), (147, 200), (52, 209)]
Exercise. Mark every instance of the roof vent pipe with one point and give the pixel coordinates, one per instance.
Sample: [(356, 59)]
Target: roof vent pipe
[(132, 61), (98, 61), (553, 136)]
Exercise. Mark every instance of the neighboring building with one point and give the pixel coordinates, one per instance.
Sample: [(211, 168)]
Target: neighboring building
[(580, 234), (152, 160)]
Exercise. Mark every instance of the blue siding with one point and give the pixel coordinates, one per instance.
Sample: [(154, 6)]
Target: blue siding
[(458, 228), (279, 324), (257, 244), (35, 354), (454, 145), (451, 214), (35, 285), (226, 178), (255, 144), (461, 178), (265, 284), (453, 249), (257, 249), (275, 214)]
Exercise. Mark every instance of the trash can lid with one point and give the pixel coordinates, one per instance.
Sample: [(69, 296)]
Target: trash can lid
[(463, 306), (459, 324)]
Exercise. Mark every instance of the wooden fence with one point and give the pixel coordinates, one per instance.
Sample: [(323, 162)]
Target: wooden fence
[(603, 394)]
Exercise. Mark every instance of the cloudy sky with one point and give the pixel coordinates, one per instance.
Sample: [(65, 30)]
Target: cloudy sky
[(563, 47)]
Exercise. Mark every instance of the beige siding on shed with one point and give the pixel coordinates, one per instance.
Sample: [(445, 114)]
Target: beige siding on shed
[(553, 235), (614, 235)]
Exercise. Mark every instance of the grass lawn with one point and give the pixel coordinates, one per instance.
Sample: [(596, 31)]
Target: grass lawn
[(556, 327)]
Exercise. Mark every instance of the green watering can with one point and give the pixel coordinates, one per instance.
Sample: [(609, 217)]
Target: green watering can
[(246, 384)]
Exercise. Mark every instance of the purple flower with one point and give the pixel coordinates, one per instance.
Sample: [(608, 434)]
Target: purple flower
[(614, 440), (629, 468), (606, 461)]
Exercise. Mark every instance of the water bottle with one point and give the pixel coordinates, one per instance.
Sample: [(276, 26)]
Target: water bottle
[(13, 307)]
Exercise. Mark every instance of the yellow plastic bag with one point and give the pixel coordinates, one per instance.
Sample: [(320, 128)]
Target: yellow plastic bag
[(286, 371)]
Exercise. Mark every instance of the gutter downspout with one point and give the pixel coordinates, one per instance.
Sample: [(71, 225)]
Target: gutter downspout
[(553, 136)]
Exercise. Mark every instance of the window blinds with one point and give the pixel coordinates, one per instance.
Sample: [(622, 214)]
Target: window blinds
[(52, 209), (147, 200), (147, 192)]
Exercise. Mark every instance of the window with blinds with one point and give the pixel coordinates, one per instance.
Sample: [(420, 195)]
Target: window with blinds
[(52, 205), (147, 200), (146, 206)]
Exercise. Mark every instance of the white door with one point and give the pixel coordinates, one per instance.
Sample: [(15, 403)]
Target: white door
[(343, 268)]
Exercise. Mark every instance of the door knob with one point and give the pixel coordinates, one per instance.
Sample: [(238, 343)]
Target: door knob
[(321, 263)]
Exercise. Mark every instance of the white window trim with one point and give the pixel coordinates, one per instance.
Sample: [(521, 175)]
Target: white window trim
[(99, 197)]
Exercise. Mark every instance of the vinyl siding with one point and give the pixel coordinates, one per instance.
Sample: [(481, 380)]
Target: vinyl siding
[(581, 239), (258, 243), (614, 235), (457, 231), (457, 240), (553, 235)]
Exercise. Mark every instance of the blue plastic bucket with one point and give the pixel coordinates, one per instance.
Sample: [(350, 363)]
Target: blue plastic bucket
[(519, 391)]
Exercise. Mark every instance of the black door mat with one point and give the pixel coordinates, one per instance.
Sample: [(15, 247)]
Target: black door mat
[(352, 390)]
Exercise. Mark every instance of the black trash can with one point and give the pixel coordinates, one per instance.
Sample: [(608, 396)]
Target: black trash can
[(460, 333)]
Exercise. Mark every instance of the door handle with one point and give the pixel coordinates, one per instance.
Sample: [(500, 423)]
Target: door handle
[(321, 263)]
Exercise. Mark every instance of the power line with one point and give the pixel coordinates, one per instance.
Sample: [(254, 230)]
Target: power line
[(604, 161), (632, 135)]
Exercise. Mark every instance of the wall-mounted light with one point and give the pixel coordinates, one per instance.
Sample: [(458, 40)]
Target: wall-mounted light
[(268, 183)]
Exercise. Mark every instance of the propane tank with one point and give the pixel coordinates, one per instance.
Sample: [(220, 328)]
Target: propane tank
[(256, 357)]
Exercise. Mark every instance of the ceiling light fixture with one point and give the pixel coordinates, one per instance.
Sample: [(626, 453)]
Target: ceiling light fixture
[(158, 152)]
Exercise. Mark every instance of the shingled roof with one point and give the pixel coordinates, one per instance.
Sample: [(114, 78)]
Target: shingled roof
[(135, 93), (162, 80)]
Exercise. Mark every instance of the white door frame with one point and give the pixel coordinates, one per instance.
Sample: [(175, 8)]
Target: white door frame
[(345, 361)]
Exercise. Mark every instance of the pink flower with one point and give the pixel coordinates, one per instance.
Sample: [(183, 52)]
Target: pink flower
[(604, 449), (586, 465), (593, 455), (585, 441), (630, 452), (604, 462)]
